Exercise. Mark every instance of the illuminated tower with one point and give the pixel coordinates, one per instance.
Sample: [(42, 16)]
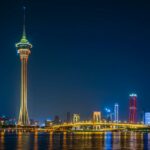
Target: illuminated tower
[(132, 108), (96, 117), (116, 112), (76, 118), (24, 48)]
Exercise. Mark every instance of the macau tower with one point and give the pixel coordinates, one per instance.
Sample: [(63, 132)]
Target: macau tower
[(24, 50)]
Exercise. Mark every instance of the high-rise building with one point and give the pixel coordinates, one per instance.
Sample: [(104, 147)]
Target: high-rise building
[(133, 108), (147, 118), (76, 118), (116, 112), (96, 117), (24, 48)]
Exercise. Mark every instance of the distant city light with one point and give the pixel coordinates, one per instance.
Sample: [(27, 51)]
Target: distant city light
[(107, 110), (133, 95), (42, 125), (116, 104)]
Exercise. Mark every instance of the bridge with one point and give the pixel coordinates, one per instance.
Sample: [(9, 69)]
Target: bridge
[(90, 125)]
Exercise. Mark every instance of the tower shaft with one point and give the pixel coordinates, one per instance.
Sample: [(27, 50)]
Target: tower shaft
[(23, 115)]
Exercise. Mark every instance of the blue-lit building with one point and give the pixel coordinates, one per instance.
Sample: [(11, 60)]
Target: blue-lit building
[(116, 112), (147, 118), (109, 114)]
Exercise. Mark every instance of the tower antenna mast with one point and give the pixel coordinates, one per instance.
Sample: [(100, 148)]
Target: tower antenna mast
[(24, 21)]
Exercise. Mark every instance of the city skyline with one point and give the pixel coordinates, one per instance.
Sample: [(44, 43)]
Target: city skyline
[(79, 64), (86, 84)]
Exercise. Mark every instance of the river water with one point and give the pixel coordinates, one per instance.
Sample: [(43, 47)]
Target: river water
[(84, 141)]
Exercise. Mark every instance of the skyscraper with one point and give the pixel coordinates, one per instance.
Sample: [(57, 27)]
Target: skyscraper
[(133, 108), (24, 48), (116, 112), (147, 118)]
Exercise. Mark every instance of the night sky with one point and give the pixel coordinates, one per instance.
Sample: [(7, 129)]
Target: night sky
[(86, 55)]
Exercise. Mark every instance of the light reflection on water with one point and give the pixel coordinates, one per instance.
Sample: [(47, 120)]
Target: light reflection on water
[(36, 142), (63, 141)]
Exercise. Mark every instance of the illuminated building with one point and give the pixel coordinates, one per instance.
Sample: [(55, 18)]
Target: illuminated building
[(116, 112), (34, 122), (96, 117), (147, 118), (6, 121), (24, 48), (48, 123), (133, 108), (76, 118), (109, 114)]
